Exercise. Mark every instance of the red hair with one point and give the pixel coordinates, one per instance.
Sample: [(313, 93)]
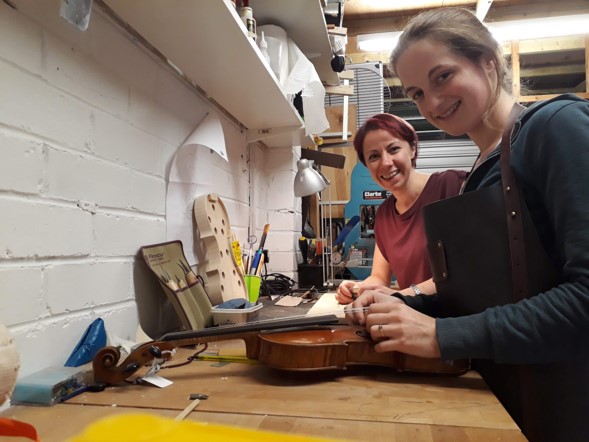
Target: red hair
[(394, 125)]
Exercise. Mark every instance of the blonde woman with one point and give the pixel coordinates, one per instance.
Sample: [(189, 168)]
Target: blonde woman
[(533, 353)]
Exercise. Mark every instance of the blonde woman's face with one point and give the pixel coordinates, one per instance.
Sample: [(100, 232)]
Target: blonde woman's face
[(450, 91), (388, 159)]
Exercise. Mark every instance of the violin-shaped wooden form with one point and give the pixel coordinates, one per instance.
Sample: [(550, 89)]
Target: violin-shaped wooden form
[(224, 279), (309, 343)]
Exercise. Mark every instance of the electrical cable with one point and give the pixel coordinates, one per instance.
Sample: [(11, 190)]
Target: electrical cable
[(276, 284)]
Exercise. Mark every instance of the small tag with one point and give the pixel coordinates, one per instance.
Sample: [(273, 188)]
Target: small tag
[(158, 381)]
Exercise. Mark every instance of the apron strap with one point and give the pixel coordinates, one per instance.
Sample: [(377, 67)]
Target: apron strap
[(514, 211)]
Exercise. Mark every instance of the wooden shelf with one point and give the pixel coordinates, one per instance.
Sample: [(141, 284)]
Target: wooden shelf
[(206, 40)]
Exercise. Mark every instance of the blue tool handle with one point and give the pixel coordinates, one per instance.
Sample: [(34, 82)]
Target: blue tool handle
[(346, 230), (256, 261)]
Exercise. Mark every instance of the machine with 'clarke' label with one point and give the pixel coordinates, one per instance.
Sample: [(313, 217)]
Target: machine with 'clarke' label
[(365, 198)]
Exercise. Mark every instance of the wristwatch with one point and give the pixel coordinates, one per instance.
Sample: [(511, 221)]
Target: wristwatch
[(415, 289)]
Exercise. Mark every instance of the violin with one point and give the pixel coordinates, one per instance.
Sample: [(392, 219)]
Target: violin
[(304, 344)]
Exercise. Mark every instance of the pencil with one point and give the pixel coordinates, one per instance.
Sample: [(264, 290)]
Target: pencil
[(242, 359)]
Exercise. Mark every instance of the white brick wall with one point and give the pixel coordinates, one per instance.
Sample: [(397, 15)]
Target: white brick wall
[(89, 125)]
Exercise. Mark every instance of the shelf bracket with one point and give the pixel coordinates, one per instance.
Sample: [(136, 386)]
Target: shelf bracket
[(254, 135), (342, 89)]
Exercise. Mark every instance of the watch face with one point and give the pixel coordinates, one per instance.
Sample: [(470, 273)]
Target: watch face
[(336, 257)]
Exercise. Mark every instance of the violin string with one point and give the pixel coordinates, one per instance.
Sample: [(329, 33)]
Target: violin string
[(330, 316), (293, 317)]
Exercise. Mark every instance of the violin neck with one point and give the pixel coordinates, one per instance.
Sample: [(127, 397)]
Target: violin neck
[(228, 330)]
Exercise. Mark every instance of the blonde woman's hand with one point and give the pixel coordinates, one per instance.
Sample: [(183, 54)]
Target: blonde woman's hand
[(397, 327), (356, 312), (376, 287)]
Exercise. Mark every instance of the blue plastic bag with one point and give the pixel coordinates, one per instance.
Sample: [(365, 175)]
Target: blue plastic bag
[(236, 303), (93, 340)]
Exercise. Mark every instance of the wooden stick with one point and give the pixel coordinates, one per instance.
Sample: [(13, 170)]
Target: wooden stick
[(264, 236), (187, 410), (258, 271)]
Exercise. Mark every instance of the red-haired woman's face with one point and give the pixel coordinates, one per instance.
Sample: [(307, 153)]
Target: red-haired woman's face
[(450, 91), (388, 159)]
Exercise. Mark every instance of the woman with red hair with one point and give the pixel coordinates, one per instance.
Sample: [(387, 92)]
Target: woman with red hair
[(387, 145)]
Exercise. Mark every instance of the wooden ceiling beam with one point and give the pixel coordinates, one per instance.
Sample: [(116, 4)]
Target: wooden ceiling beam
[(549, 71), (570, 43)]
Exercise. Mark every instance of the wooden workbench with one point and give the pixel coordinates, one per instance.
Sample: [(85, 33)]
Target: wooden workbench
[(366, 403)]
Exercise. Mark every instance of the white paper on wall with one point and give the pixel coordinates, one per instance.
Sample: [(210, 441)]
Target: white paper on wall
[(187, 181), (209, 134)]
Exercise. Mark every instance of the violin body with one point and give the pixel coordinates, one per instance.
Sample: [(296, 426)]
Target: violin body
[(280, 345), (338, 347)]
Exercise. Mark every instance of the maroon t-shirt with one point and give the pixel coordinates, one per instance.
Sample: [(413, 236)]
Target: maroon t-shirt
[(401, 238)]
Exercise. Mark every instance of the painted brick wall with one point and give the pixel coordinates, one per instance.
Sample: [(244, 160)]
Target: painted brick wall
[(89, 125)]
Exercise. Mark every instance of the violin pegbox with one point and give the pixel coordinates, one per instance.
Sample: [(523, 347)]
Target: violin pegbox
[(224, 280)]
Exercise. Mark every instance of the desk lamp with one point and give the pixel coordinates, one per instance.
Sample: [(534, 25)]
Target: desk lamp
[(308, 181)]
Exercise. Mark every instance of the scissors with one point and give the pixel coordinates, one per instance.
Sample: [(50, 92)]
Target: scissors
[(252, 239)]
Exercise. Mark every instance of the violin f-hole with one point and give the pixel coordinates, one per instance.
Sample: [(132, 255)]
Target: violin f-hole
[(363, 333)]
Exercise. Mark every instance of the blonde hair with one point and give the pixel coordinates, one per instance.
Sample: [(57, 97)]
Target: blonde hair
[(464, 34)]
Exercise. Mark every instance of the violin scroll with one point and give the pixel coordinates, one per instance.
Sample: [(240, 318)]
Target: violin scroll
[(107, 370)]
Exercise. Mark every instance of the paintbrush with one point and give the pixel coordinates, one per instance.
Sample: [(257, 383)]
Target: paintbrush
[(260, 251)]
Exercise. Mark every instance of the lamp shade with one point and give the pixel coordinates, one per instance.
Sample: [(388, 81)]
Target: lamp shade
[(307, 180)]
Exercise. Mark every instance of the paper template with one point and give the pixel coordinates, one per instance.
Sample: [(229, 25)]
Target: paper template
[(187, 181), (209, 134)]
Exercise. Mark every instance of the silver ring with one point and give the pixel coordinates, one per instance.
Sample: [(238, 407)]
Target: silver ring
[(380, 330)]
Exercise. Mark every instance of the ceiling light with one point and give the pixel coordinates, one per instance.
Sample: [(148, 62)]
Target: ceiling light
[(532, 28), (383, 41), (526, 29)]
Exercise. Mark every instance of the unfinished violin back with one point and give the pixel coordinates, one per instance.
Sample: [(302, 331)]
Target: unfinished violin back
[(224, 280)]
